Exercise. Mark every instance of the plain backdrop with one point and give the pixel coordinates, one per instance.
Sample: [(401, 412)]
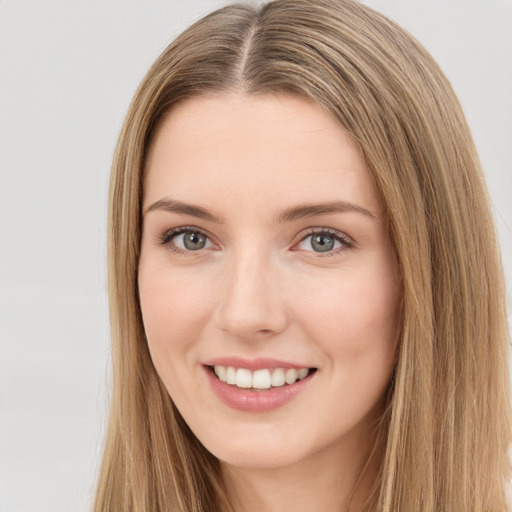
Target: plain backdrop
[(67, 72)]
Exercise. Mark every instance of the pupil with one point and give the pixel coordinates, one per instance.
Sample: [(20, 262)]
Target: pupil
[(194, 241), (322, 243)]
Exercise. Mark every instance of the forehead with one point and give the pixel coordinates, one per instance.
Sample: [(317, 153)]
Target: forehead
[(279, 147)]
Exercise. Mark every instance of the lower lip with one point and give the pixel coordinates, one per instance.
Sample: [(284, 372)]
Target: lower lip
[(255, 401)]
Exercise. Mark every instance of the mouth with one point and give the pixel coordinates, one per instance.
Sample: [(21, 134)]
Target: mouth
[(261, 379)]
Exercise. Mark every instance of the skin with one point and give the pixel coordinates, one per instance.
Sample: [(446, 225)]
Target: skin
[(260, 289)]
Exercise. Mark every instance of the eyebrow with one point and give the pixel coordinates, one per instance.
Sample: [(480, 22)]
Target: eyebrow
[(170, 205), (311, 210), (289, 215)]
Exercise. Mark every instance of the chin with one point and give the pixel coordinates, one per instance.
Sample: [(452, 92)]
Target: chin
[(252, 450), (258, 459)]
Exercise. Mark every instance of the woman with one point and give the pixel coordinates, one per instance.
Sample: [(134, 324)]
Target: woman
[(306, 297)]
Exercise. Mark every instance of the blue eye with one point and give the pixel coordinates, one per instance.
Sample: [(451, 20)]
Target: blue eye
[(324, 242), (186, 239)]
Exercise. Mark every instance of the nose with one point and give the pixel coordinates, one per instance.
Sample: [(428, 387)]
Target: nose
[(252, 305)]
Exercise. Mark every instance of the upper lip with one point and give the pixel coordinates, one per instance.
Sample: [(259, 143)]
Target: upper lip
[(259, 363)]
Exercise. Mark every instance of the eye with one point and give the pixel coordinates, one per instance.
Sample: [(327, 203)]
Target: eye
[(185, 239), (324, 241)]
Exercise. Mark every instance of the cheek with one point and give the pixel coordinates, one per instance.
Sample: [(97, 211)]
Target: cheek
[(175, 307), (354, 319)]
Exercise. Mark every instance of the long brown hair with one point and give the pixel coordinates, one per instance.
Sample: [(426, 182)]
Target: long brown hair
[(447, 427)]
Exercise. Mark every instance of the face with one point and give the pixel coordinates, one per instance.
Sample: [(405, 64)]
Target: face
[(267, 283)]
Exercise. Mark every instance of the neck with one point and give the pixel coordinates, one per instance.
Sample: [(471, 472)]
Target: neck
[(337, 479)]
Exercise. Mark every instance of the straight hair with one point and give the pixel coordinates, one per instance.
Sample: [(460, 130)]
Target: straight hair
[(445, 432)]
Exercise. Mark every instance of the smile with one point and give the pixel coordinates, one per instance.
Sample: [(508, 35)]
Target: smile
[(264, 378)]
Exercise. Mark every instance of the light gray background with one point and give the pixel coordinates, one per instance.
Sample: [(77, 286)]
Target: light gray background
[(67, 72)]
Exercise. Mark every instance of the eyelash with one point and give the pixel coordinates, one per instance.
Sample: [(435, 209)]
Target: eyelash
[(167, 237), (346, 243), (344, 240)]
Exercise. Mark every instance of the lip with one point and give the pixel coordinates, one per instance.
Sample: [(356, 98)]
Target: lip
[(254, 364), (256, 401)]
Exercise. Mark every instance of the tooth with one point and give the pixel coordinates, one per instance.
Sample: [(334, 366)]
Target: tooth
[(261, 379), (291, 376), (243, 378), (220, 371), (278, 377), (230, 375)]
